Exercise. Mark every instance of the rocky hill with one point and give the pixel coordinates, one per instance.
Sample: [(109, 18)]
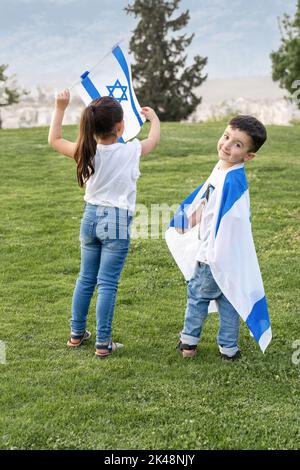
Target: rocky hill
[(258, 96), (36, 108)]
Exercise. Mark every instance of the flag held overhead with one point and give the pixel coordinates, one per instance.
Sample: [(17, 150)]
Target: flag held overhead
[(114, 79)]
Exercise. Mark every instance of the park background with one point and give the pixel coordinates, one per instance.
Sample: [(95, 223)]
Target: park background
[(145, 397)]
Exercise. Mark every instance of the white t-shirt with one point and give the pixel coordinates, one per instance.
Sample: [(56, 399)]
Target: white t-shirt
[(116, 172), (207, 213)]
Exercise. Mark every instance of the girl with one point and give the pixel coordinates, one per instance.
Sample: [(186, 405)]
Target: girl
[(109, 170)]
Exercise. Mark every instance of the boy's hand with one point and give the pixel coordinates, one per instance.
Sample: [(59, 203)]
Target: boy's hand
[(196, 216), (149, 113), (180, 230), (62, 99)]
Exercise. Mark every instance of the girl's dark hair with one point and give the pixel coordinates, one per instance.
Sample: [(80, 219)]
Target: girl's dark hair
[(98, 119)]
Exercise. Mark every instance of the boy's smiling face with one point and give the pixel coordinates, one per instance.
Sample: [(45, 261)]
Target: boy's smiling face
[(234, 147)]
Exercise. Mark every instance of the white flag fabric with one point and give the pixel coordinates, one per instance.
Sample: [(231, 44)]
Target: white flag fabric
[(231, 252), (113, 78)]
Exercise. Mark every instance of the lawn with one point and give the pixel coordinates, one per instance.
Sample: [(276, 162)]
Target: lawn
[(145, 396)]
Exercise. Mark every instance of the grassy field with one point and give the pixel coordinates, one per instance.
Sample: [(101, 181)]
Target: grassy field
[(146, 396)]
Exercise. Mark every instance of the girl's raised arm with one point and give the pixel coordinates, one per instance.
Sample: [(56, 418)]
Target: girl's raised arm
[(152, 140), (54, 138)]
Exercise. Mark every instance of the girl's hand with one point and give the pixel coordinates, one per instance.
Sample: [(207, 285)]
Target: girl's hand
[(62, 99), (152, 140), (149, 113)]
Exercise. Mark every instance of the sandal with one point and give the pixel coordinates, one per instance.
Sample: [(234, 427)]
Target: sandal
[(77, 340), (106, 349)]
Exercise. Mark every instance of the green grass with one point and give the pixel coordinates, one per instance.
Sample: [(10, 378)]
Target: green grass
[(146, 396)]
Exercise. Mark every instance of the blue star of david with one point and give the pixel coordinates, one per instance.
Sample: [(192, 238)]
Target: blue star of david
[(117, 85)]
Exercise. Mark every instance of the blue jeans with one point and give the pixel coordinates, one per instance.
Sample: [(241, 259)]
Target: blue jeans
[(105, 239), (201, 289)]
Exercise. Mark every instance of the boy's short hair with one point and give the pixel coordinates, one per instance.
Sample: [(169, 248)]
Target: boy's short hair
[(253, 127)]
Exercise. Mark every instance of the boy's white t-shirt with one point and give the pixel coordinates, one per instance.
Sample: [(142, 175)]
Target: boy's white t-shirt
[(207, 214), (116, 172)]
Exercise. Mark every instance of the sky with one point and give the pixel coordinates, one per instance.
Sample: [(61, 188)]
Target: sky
[(51, 42)]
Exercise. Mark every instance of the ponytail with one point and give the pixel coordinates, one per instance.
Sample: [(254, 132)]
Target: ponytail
[(98, 119), (86, 146)]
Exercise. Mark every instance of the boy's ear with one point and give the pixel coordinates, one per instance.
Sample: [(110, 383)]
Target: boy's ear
[(249, 156), (120, 127)]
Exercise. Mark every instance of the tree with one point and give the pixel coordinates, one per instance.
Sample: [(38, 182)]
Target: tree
[(286, 61), (162, 79), (8, 91)]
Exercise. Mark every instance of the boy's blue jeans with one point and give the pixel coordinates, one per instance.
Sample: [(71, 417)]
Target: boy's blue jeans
[(105, 238), (201, 289)]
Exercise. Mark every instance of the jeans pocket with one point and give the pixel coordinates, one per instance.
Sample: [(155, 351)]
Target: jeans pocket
[(119, 228), (124, 227), (102, 230), (208, 286), (86, 230), (202, 284)]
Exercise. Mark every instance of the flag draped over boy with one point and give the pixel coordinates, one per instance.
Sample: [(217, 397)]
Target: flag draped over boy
[(231, 251), (113, 78)]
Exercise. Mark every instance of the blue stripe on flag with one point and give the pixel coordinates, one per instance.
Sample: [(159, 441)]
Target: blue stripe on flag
[(90, 88), (192, 196), (180, 219), (258, 319), (122, 61), (235, 185)]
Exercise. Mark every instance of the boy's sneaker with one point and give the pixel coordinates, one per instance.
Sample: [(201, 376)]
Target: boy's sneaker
[(236, 356), (186, 350)]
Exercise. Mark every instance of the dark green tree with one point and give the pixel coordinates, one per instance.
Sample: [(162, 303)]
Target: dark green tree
[(286, 61), (162, 79), (9, 93)]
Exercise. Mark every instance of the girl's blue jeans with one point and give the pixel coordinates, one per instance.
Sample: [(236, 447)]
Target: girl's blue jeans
[(202, 288), (104, 238)]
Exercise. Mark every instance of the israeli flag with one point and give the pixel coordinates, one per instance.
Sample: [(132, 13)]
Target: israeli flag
[(231, 252), (113, 78)]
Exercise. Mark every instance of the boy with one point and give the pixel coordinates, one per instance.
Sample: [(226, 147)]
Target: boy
[(211, 240)]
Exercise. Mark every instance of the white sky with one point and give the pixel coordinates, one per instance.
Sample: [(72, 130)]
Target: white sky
[(51, 42)]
